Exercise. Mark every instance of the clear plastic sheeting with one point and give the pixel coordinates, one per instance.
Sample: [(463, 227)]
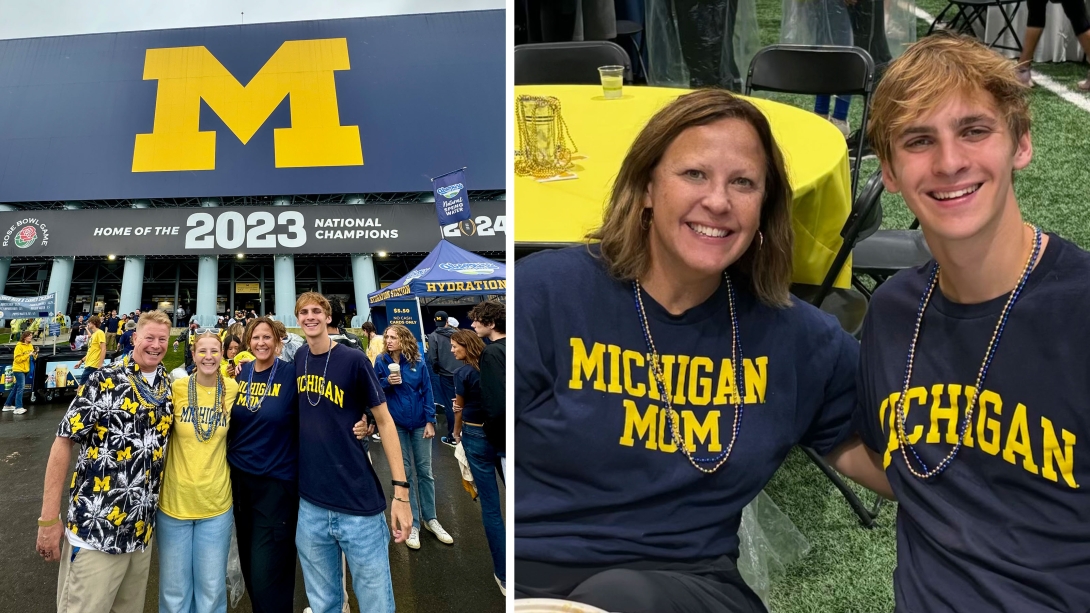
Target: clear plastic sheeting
[(236, 586), (767, 543), (816, 22), (884, 28), (700, 43)]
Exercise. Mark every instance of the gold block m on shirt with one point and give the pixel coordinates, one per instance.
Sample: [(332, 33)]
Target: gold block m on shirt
[(302, 68)]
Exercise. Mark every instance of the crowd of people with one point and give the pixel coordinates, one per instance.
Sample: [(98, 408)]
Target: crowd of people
[(270, 442), (647, 423)]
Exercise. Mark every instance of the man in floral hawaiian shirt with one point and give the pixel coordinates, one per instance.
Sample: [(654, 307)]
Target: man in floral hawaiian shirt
[(120, 423)]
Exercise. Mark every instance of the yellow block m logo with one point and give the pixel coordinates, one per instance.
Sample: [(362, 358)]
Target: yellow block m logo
[(302, 68)]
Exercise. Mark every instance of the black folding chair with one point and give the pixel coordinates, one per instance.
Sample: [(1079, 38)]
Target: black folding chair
[(971, 13), (569, 63), (815, 71), (879, 254)]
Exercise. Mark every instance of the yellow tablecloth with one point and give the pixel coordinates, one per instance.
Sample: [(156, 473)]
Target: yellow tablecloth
[(564, 211)]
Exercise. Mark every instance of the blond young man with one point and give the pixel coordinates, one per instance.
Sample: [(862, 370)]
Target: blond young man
[(120, 423), (973, 367), (341, 500)]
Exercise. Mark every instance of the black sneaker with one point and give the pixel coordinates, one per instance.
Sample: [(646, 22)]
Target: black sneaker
[(853, 146), (448, 441)]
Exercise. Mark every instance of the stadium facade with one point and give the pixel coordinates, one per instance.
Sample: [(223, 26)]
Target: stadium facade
[(232, 167)]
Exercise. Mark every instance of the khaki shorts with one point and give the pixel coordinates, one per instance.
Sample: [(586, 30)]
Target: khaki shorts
[(96, 582)]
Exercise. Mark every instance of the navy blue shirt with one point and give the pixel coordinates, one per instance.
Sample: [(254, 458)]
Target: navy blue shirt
[(125, 343), (1006, 527), (264, 435), (334, 472), (410, 402), (467, 384), (601, 479)]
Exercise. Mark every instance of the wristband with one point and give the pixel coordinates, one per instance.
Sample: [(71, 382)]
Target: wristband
[(42, 523), (404, 484), (400, 499)]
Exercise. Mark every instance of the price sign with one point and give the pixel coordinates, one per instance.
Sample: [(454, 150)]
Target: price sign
[(406, 313)]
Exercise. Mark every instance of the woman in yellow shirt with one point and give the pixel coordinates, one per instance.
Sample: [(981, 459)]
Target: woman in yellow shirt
[(234, 356), (23, 352), (194, 521)]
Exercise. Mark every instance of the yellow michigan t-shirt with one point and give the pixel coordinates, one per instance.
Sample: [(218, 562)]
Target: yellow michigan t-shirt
[(197, 481), (94, 350)]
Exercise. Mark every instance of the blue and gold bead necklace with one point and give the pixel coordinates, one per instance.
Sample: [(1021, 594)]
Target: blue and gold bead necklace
[(664, 393), (250, 387), (205, 434), (924, 472)]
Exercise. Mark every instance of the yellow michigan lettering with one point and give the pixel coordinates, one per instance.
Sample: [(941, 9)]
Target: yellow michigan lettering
[(643, 425), (303, 69), (587, 365)]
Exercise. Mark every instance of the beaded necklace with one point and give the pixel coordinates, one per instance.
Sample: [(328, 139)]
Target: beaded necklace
[(216, 413), (664, 393), (143, 391), (993, 345), (250, 387), (324, 370)]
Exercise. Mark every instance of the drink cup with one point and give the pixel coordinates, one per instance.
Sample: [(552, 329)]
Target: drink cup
[(395, 369), (61, 379), (612, 81)]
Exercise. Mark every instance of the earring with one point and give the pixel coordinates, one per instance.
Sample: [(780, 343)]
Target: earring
[(760, 240)]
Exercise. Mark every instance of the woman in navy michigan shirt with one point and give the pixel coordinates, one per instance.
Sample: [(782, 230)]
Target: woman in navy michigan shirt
[(664, 372)]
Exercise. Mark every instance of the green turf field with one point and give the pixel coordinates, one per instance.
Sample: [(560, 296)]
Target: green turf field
[(849, 569)]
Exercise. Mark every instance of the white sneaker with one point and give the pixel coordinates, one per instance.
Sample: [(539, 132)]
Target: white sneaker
[(436, 529), (842, 125), (308, 610), (19, 411), (375, 437), (413, 542), (8, 408), (502, 584)]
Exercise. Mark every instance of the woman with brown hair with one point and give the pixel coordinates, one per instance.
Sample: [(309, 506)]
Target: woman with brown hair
[(469, 417), (664, 372), (405, 380)]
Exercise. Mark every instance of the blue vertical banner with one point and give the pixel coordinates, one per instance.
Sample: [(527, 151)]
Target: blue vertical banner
[(451, 197)]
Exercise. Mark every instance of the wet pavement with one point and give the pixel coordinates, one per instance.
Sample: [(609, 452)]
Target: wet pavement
[(436, 577)]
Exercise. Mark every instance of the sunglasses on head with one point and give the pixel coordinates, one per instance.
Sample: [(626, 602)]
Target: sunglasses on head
[(207, 331)]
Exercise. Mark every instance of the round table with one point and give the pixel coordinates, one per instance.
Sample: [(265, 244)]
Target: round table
[(552, 212)]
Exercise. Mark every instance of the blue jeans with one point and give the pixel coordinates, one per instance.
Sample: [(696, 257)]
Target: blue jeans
[(15, 397), (321, 536), (193, 563), (417, 450), (482, 463)]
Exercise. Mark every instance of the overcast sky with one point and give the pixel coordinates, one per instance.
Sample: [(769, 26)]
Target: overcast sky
[(33, 18)]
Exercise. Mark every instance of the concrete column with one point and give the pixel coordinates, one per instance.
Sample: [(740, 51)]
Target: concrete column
[(363, 282), (284, 284), (207, 286), (5, 268), (132, 284), (60, 281)]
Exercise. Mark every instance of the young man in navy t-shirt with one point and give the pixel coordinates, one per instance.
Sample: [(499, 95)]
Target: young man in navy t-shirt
[(973, 367), (341, 500)]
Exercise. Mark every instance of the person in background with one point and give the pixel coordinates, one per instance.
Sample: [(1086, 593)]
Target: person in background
[(120, 424), (35, 327), (490, 322), (96, 350), (375, 344), (77, 331), (24, 352), (110, 328), (136, 316), (1035, 27), (186, 339), (409, 399), (467, 347), (125, 345), (233, 355), (263, 452), (442, 364), (195, 507)]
